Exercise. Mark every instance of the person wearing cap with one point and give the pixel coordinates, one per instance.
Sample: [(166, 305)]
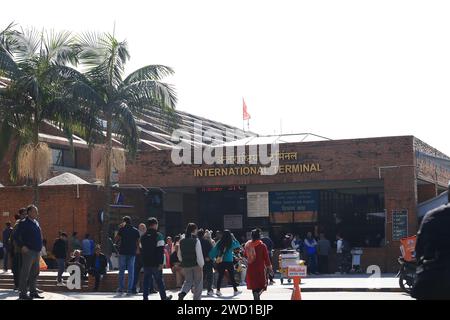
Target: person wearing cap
[(433, 255)]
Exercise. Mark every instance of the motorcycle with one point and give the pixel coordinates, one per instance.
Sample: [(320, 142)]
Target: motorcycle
[(406, 274)]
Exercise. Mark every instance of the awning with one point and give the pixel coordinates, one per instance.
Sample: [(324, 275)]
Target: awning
[(431, 204)]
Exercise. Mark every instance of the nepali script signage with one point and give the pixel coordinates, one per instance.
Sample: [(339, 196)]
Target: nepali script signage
[(248, 169)]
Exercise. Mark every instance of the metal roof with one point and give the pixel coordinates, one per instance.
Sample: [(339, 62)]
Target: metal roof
[(276, 139)]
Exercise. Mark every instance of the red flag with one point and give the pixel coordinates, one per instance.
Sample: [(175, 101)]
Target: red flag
[(245, 114)]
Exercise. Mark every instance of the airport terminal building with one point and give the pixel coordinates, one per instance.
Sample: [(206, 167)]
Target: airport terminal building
[(366, 189), (369, 190)]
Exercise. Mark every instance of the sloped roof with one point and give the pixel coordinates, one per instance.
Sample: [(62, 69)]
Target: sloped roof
[(431, 204), (63, 180), (276, 139)]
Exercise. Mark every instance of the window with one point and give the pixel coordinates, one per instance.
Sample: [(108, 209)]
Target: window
[(63, 158), (57, 155), (356, 213)]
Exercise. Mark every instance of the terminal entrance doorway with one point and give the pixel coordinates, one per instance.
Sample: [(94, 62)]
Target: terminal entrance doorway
[(223, 208)]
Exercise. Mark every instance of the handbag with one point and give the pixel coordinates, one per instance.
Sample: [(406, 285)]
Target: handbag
[(219, 259), (42, 264)]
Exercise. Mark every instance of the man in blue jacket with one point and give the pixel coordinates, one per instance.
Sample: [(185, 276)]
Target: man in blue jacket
[(29, 237)]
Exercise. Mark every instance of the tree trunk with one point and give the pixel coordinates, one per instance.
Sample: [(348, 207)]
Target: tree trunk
[(35, 179), (107, 173)]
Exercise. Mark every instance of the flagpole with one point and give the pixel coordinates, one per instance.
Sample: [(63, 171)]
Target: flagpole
[(243, 120)]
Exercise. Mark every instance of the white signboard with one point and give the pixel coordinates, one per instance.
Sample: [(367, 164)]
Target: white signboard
[(257, 204), (232, 222), (297, 271)]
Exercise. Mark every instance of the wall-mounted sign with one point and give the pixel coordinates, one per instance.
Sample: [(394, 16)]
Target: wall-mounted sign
[(294, 206), (222, 171), (223, 188), (296, 200), (232, 221), (257, 204), (399, 224)]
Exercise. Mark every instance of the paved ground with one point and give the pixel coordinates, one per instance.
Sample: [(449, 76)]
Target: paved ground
[(333, 287)]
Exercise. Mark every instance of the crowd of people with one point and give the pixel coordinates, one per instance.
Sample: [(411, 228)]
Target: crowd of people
[(316, 251), (199, 260)]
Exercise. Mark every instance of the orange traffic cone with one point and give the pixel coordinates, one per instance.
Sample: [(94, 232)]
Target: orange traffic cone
[(296, 294)]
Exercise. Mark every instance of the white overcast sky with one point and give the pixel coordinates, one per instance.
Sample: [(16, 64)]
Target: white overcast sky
[(340, 69)]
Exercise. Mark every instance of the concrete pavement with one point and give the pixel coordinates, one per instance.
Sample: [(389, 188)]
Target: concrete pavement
[(332, 287)]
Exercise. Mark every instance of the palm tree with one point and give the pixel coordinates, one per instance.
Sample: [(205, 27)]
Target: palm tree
[(39, 87), (119, 99)]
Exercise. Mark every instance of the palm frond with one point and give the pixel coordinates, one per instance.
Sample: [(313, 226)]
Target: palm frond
[(124, 125), (151, 72), (162, 94), (8, 67), (60, 47), (27, 44), (6, 41)]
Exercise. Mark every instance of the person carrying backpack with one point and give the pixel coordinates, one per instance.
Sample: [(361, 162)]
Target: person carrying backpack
[(258, 263)]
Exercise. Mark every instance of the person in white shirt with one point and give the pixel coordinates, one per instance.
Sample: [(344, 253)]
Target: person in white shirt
[(339, 255), (191, 257)]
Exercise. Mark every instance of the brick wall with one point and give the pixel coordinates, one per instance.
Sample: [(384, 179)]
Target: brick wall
[(59, 208), (339, 160), (426, 192)]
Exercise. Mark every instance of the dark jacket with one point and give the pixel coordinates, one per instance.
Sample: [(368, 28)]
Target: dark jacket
[(433, 256), (152, 248), (6, 237), (102, 263), (60, 249), (129, 237), (28, 234), (206, 247)]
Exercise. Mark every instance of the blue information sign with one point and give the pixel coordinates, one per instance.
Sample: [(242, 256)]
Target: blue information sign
[(295, 201)]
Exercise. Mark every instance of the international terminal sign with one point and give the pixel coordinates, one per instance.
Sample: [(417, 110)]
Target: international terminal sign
[(250, 170)]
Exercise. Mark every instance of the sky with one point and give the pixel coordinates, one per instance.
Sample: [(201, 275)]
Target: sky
[(339, 69)]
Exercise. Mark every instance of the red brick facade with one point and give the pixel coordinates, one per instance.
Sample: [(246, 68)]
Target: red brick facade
[(60, 208), (391, 161)]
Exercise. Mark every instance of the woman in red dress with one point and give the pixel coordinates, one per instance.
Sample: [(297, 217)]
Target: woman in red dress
[(258, 262)]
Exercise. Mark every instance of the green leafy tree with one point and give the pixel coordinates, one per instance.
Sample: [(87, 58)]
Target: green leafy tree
[(119, 99), (39, 87)]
